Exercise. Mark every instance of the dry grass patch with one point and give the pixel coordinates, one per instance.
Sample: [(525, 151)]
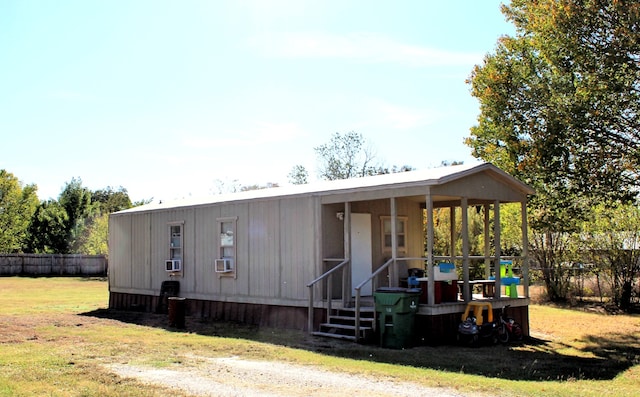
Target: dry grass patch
[(58, 339)]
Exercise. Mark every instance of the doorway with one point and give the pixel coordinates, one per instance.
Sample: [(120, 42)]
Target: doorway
[(361, 252)]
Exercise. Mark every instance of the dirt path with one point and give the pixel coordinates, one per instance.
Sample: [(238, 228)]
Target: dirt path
[(232, 376)]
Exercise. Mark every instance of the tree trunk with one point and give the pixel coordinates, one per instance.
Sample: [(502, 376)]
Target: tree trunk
[(625, 296)]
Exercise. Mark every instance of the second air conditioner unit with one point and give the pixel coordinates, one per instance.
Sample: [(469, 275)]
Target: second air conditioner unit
[(173, 265), (224, 265)]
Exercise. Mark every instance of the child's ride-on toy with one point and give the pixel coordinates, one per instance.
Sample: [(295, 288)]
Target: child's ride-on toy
[(473, 329)]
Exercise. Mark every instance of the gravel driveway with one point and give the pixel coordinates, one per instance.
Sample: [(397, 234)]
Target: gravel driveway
[(232, 376)]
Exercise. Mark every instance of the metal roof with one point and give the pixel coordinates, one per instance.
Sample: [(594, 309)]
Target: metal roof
[(427, 177)]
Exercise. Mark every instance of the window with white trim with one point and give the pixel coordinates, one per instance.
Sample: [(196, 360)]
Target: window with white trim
[(225, 262), (401, 233), (176, 248)]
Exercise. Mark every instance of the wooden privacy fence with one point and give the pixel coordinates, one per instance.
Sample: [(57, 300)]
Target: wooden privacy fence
[(53, 264)]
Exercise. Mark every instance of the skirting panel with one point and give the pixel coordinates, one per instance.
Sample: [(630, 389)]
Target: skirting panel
[(247, 313)]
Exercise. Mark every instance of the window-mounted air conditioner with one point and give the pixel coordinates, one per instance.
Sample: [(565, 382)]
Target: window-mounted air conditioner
[(173, 265), (224, 265)]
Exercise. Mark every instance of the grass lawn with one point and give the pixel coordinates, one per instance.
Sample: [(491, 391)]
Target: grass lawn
[(57, 339)]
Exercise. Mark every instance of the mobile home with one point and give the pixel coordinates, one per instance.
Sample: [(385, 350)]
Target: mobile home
[(290, 256)]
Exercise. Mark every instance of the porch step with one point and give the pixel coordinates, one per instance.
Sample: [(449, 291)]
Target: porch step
[(344, 326), (352, 319), (341, 324), (335, 336)]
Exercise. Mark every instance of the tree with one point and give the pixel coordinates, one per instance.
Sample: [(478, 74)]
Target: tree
[(442, 235), (563, 96), (94, 236), (612, 240), (268, 185), (345, 156), (110, 200), (76, 201), (298, 175), (226, 186), (48, 229), (558, 109), (17, 205)]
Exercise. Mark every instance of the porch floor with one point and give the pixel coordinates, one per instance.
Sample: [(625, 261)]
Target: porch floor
[(454, 307)]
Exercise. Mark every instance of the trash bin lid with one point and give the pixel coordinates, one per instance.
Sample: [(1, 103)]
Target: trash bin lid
[(391, 289), (395, 290)]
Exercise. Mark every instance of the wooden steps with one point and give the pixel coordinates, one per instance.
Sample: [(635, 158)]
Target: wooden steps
[(341, 325)]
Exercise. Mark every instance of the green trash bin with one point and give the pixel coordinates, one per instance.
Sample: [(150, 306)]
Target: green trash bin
[(396, 309)]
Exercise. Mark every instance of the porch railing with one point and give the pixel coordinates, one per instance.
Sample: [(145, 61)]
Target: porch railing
[(373, 278), (328, 276)]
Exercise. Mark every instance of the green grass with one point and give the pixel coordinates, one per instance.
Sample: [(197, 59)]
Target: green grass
[(56, 338)]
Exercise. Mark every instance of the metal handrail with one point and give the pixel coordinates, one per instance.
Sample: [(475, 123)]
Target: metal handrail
[(325, 275), (359, 287)]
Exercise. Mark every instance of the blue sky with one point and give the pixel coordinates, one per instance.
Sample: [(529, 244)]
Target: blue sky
[(165, 98)]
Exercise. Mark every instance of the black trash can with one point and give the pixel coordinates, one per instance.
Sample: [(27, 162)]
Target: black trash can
[(167, 289), (177, 312)]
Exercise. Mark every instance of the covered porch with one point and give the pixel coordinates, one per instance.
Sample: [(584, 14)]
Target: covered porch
[(448, 280)]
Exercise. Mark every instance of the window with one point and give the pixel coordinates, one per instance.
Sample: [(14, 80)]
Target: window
[(401, 231), (225, 263), (175, 261)]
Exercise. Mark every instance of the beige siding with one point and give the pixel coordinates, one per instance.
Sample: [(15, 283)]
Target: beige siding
[(206, 250), (160, 247), (275, 247), (482, 186), (263, 270), (140, 251), (120, 254), (332, 232), (296, 250)]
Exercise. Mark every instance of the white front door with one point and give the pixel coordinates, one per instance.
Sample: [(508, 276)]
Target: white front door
[(361, 255)]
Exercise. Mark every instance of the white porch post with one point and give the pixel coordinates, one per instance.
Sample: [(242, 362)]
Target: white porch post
[(430, 274), (487, 243), (525, 249), (452, 233), (346, 273), (394, 274), (466, 293), (496, 237)]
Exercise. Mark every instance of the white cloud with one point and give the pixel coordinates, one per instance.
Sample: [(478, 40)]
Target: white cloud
[(402, 117), (262, 133), (363, 47), (377, 113)]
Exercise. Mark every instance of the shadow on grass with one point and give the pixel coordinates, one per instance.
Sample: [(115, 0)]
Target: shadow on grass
[(594, 357)]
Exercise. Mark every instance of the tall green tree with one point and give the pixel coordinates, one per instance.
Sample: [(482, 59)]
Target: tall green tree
[(110, 200), (93, 238), (17, 205), (559, 109), (563, 95), (48, 229), (76, 201)]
